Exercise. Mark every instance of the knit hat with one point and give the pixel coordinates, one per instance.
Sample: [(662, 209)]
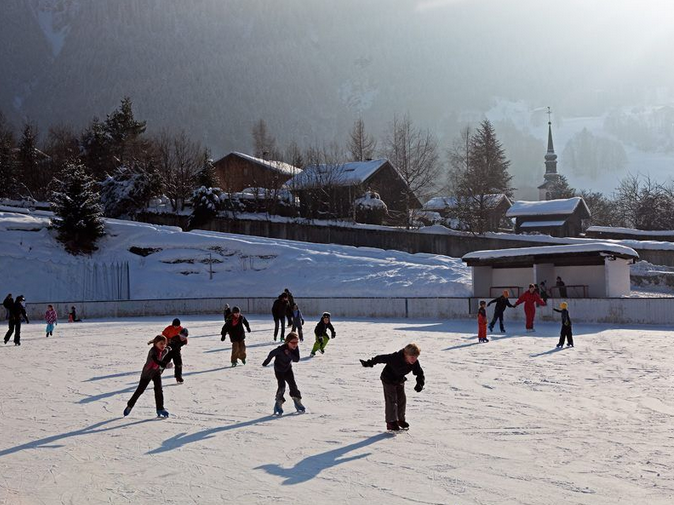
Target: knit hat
[(235, 310), (176, 322), (563, 305), (185, 332), (326, 314)]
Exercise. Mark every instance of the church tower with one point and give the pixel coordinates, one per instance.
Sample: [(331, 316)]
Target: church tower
[(551, 174)]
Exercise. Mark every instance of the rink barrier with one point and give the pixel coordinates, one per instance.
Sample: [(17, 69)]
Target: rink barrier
[(656, 311)]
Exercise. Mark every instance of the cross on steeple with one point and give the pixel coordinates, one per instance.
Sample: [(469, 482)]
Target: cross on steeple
[(549, 114)]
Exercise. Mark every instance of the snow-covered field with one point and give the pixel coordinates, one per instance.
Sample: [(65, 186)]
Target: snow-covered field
[(509, 422)]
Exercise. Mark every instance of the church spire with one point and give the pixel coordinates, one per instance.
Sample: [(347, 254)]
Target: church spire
[(550, 156)]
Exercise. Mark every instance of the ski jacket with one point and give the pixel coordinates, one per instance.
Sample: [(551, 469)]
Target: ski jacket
[(284, 358), (156, 361), (530, 300), (8, 302), (501, 303), (279, 308), (322, 329), (17, 311), (234, 326), (481, 316), (227, 313), (50, 316), (566, 320), (397, 368), (171, 331), (298, 318)]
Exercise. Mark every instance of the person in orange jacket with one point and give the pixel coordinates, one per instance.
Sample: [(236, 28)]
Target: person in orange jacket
[(530, 299), (482, 322), (175, 341)]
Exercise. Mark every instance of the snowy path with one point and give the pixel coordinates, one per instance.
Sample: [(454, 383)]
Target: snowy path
[(509, 422)]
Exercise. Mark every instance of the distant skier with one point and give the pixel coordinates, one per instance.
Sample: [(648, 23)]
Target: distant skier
[(16, 315), (154, 366), (566, 330), (298, 321), (52, 320), (501, 303), (235, 327), (176, 338), (398, 365), (278, 311), (482, 322), (321, 333), (284, 356), (530, 299)]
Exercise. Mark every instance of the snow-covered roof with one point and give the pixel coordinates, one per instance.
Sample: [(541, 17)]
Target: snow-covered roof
[(631, 231), (565, 206), (341, 174), (542, 224), (556, 250), (278, 166), (450, 202)]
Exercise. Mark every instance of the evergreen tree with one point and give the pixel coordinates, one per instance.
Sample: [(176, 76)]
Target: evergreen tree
[(560, 189), (7, 161), (205, 205), (77, 212), (123, 130), (207, 176), (95, 149), (129, 189), (33, 176)]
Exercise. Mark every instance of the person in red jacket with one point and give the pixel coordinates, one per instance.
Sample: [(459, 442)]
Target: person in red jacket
[(530, 299), (482, 322)]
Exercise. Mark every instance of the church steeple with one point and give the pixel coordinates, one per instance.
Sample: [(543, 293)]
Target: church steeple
[(551, 176)]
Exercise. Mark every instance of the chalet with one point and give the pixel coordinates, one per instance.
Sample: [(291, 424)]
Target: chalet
[(559, 218), (448, 208), (238, 171), (329, 190)]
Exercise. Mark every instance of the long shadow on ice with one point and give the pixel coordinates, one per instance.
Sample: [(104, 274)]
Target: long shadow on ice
[(311, 466), (183, 438), (496, 339), (229, 347), (89, 430)]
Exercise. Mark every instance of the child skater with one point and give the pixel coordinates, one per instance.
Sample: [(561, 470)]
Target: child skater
[(234, 326), (566, 326), (482, 322), (52, 320), (284, 355), (501, 303), (398, 365), (321, 332), (154, 366), (298, 321), (175, 345)]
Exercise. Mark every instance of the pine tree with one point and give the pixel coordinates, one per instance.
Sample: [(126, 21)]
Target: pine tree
[(28, 164), (96, 150), (129, 189), (560, 188), (123, 130), (7, 161), (207, 176), (205, 205), (77, 212)]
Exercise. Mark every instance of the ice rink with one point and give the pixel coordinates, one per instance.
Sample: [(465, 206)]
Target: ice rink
[(513, 421)]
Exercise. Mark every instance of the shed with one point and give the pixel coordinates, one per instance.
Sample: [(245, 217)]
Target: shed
[(602, 268), (559, 218), (238, 171)]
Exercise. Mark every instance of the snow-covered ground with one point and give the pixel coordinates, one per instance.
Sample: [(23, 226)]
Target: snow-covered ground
[(509, 422)]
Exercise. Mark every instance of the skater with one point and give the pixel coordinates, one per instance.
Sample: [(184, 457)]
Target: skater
[(482, 322), (284, 355), (501, 303), (72, 316), (291, 302), (176, 338), (154, 366), (298, 321), (227, 312), (321, 333), (7, 304), (234, 326), (398, 365), (561, 286), (530, 299), (278, 311), (15, 317), (566, 330), (52, 320)]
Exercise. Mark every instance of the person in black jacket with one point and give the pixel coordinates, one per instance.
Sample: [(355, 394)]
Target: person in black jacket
[(321, 333), (234, 326), (283, 369), (227, 312), (501, 303), (157, 360), (7, 304), (398, 365), (175, 345), (561, 286), (278, 310), (17, 312), (289, 310), (566, 331)]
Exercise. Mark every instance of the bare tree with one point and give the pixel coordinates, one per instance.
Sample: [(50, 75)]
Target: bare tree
[(179, 162), (644, 204), (264, 144), (414, 153), (361, 145), (322, 182)]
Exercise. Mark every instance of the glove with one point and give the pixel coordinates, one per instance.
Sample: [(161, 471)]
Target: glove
[(418, 388), (333, 335), (366, 364), (265, 363), (222, 339)]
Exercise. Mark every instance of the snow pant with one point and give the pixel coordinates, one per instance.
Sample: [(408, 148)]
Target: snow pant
[(497, 316), (481, 331), (289, 316), (50, 329), (396, 401), (565, 333), (281, 379), (320, 344), (298, 329), (14, 327), (177, 363), (282, 322), (142, 385), (529, 313), (238, 351)]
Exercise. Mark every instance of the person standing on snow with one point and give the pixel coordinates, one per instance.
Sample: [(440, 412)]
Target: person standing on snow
[(530, 299)]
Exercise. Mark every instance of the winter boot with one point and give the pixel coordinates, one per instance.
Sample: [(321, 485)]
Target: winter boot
[(179, 380), (243, 361), (278, 411), (298, 404), (162, 413), (393, 426), (234, 363), (127, 411), (404, 425)]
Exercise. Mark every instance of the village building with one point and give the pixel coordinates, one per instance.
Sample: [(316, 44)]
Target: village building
[(558, 218), (329, 190), (448, 208), (593, 270), (238, 171)]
